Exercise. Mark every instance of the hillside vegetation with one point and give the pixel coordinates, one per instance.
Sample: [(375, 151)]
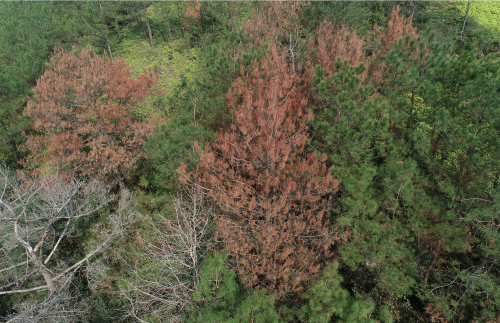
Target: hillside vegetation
[(250, 161), (485, 12)]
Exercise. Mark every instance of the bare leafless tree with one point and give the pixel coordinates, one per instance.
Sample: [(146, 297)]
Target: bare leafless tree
[(36, 216), (62, 307), (163, 278)]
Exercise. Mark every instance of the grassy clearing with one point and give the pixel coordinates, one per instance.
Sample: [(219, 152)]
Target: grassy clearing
[(169, 63), (487, 13)]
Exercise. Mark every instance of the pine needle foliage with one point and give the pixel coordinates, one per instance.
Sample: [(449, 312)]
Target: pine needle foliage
[(326, 299), (412, 138), (275, 196), (221, 298)]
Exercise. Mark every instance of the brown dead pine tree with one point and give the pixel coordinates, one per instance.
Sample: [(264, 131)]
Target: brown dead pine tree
[(82, 104), (274, 195)]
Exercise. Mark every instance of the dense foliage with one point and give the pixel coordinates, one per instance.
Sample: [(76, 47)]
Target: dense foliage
[(274, 196), (84, 109), (286, 161)]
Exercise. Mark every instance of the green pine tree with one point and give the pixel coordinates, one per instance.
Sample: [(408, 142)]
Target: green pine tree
[(221, 298)]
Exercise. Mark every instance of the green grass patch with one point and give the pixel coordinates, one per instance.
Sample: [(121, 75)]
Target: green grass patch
[(486, 13), (168, 64), (171, 64), (169, 67)]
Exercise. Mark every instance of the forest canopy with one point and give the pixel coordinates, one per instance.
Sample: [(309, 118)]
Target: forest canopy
[(263, 161)]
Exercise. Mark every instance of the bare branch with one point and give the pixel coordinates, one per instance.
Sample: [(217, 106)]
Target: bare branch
[(166, 272), (25, 290), (31, 208), (14, 266), (62, 307)]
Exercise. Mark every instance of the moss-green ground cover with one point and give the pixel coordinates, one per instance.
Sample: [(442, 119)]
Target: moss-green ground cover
[(168, 62), (487, 13)]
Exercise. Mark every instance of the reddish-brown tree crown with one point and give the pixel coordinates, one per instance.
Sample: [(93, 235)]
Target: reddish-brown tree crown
[(333, 42), (274, 195), (83, 106)]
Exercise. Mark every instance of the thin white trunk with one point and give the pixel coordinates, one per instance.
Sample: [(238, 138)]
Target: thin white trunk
[(149, 30), (170, 33), (466, 15), (44, 271), (107, 39), (414, 6)]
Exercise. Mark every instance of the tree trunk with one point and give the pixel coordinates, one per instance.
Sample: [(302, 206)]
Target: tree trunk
[(230, 7), (182, 25), (119, 36), (466, 15), (496, 182), (149, 29), (435, 142), (47, 276), (409, 124), (170, 33), (16, 151), (165, 34), (107, 38), (414, 6), (13, 144), (121, 182), (109, 47), (428, 271)]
